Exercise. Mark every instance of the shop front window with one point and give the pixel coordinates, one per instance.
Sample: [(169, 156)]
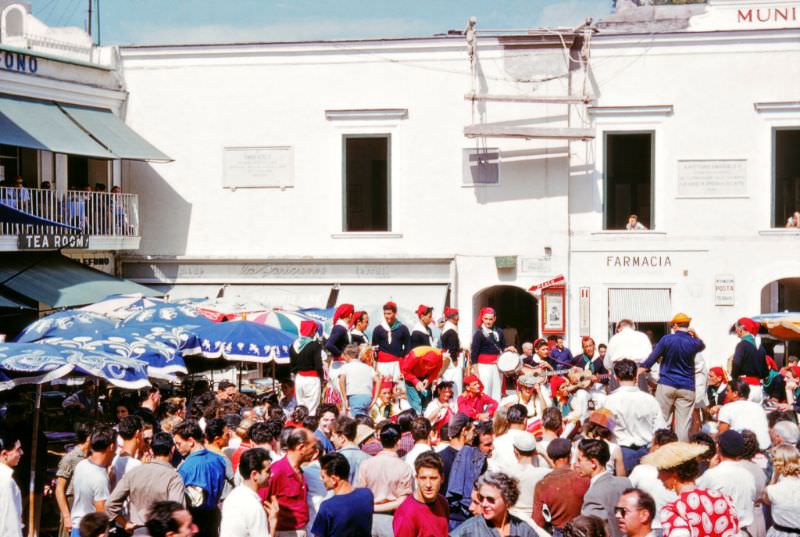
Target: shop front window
[(786, 209), (629, 181)]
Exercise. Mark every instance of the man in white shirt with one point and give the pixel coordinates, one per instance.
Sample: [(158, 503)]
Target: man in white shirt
[(421, 433), (645, 476), (637, 414), (130, 431), (730, 478), (503, 456), (90, 480), (628, 343), (741, 414), (10, 496), (527, 474), (243, 515), (356, 382)]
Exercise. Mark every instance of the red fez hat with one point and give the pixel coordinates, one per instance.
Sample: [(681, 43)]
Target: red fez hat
[(449, 313), (749, 324), (718, 371), (469, 379), (387, 382), (555, 382), (422, 309), (484, 311), (356, 317), (308, 328), (584, 339), (390, 306), (344, 310)]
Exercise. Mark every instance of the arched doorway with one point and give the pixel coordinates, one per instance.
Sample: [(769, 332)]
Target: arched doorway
[(782, 296), (517, 312)]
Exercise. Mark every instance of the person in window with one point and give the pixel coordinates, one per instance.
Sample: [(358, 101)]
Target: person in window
[(634, 224), (21, 194), (794, 220)]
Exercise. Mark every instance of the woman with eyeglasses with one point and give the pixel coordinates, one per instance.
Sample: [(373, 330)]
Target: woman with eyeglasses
[(497, 493)]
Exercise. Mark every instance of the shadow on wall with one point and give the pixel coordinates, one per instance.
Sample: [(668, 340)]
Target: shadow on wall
[(164, 215), (523, 175)]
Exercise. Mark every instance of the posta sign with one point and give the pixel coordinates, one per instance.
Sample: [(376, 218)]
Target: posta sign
[(558, 280)]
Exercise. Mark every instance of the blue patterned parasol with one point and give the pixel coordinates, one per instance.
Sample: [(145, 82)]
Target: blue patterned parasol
[(242, 341), (68, 324)]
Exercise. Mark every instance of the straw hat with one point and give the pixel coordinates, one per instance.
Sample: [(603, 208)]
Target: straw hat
[(362, 433), (674, 454)]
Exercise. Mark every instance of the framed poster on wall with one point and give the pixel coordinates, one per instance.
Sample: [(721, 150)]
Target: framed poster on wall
[(553, 302)]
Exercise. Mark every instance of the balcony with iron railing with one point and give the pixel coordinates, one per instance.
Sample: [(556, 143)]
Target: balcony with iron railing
[(100, 220)]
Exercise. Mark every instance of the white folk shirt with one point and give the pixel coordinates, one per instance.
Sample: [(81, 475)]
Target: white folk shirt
[(637, 414), (741, 415), (243, 515), (737, 482), (10, 504), (627, 343)]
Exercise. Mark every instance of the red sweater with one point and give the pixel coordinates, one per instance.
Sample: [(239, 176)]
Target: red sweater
[(472, 406), (562, 490)]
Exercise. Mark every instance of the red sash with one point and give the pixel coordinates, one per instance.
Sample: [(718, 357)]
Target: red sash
[(488, 358), (308, 374), (752, 381), (385, 357)]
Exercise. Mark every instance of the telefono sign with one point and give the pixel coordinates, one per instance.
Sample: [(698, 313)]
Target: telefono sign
[(17, 61)]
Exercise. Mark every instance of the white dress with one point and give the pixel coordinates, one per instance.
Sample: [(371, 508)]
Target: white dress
[(785, 499)]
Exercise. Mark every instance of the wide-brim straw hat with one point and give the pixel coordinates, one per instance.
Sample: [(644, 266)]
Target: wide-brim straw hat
[(674, 454), (362, 433)]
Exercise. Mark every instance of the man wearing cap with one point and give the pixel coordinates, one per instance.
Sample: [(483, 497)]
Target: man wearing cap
[(474, 402), (393, 341), (338, 340), (503, 453), (358, 324), (530, 395), (749, 362), (451, 345), (528, 475), (676, 387), (421, 334), (731, 478), (420, 368), (488, 343), (305, 357)]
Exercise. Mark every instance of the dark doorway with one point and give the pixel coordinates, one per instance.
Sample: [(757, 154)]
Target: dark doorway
[(77, 172), (629, 179), (366, 183), (517, 312)]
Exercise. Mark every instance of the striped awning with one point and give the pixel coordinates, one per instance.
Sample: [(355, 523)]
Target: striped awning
[(639, 305)]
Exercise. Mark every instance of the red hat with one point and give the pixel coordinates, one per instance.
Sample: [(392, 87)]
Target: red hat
[(469, 379), (344, 310), (795, 371), (749, 324), (387, 382), (308, 328), (357, 316), (449, 313), (538, 343), (484, 311), (390, 306), (422, 309), (584, 339), (555, 382), (718, 371)]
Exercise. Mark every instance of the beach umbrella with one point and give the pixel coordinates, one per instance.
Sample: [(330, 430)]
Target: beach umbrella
[(68, 323), (784, 326), (244, 341), (229, 309), (37, 363), (288, 321), (122, 306), (321, 315), (173, 316)]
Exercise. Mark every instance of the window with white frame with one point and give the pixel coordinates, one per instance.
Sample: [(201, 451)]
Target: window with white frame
[(629, 181)]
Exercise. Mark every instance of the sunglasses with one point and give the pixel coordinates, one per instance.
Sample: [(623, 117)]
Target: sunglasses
[(622, 511), (488, 499)]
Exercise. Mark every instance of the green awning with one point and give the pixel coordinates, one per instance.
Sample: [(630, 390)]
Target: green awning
[(60, 282), (113, 133), (42, 125)]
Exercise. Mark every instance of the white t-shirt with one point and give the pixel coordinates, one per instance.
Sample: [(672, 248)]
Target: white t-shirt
[(358, 377), (243, 515), (411, 457), (503, 453), (741, 415), (119, 466), (737, 482), (90, 485), (527, 475)]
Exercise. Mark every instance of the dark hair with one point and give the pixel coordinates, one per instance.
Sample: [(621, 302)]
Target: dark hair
[(252, 461), (585, 526), (482, 428), (781, 415), (299, 413), (327, 407), (442, 386), (626, 369), (311, 423), (708, 441), (296, 438), (363, 419), (260, 433), (420, 429), (552, 420), (102, 437), (429, 459), (189, 429), (517, 414), (602, 346), (83, 430), (169, 408), (740, 388), (390, 435), (539, 343), (594, 430), (750, 445), (160, 520), (560, 448), (8, 438), (664, 436), (224, 385), (335, 464), (405, 418), (644, 501), (162, 444), (215, 428), (686, 471), (232, 420), (94, 525), (346, 426), (148, 392), (595, 449)]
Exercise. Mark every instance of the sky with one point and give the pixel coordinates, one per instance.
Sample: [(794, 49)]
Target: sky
[(215, 21)]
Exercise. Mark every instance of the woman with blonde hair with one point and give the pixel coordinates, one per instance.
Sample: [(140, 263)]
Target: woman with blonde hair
[(784, 492), (500, 421)]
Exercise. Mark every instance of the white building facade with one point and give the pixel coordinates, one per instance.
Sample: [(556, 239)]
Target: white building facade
[(318, 173)]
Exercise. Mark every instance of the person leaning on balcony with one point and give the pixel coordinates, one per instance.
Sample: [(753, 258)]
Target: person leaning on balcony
[(118, 215), (634, 224), (794, 220)]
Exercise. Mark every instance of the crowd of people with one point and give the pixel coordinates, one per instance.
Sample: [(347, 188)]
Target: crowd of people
[(416, 436)]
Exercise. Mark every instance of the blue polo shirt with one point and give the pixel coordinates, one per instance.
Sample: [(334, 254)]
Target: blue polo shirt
[(677, 352), (206, 470)]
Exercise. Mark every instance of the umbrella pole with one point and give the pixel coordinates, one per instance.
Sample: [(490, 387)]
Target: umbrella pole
[(34, 449), (273, 375)]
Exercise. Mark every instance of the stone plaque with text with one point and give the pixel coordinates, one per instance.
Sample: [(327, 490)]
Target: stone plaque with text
[(258, 167), (724, 178)]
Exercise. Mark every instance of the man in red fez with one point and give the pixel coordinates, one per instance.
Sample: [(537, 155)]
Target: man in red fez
[(421, 334), (305, 357), (749, 361)]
